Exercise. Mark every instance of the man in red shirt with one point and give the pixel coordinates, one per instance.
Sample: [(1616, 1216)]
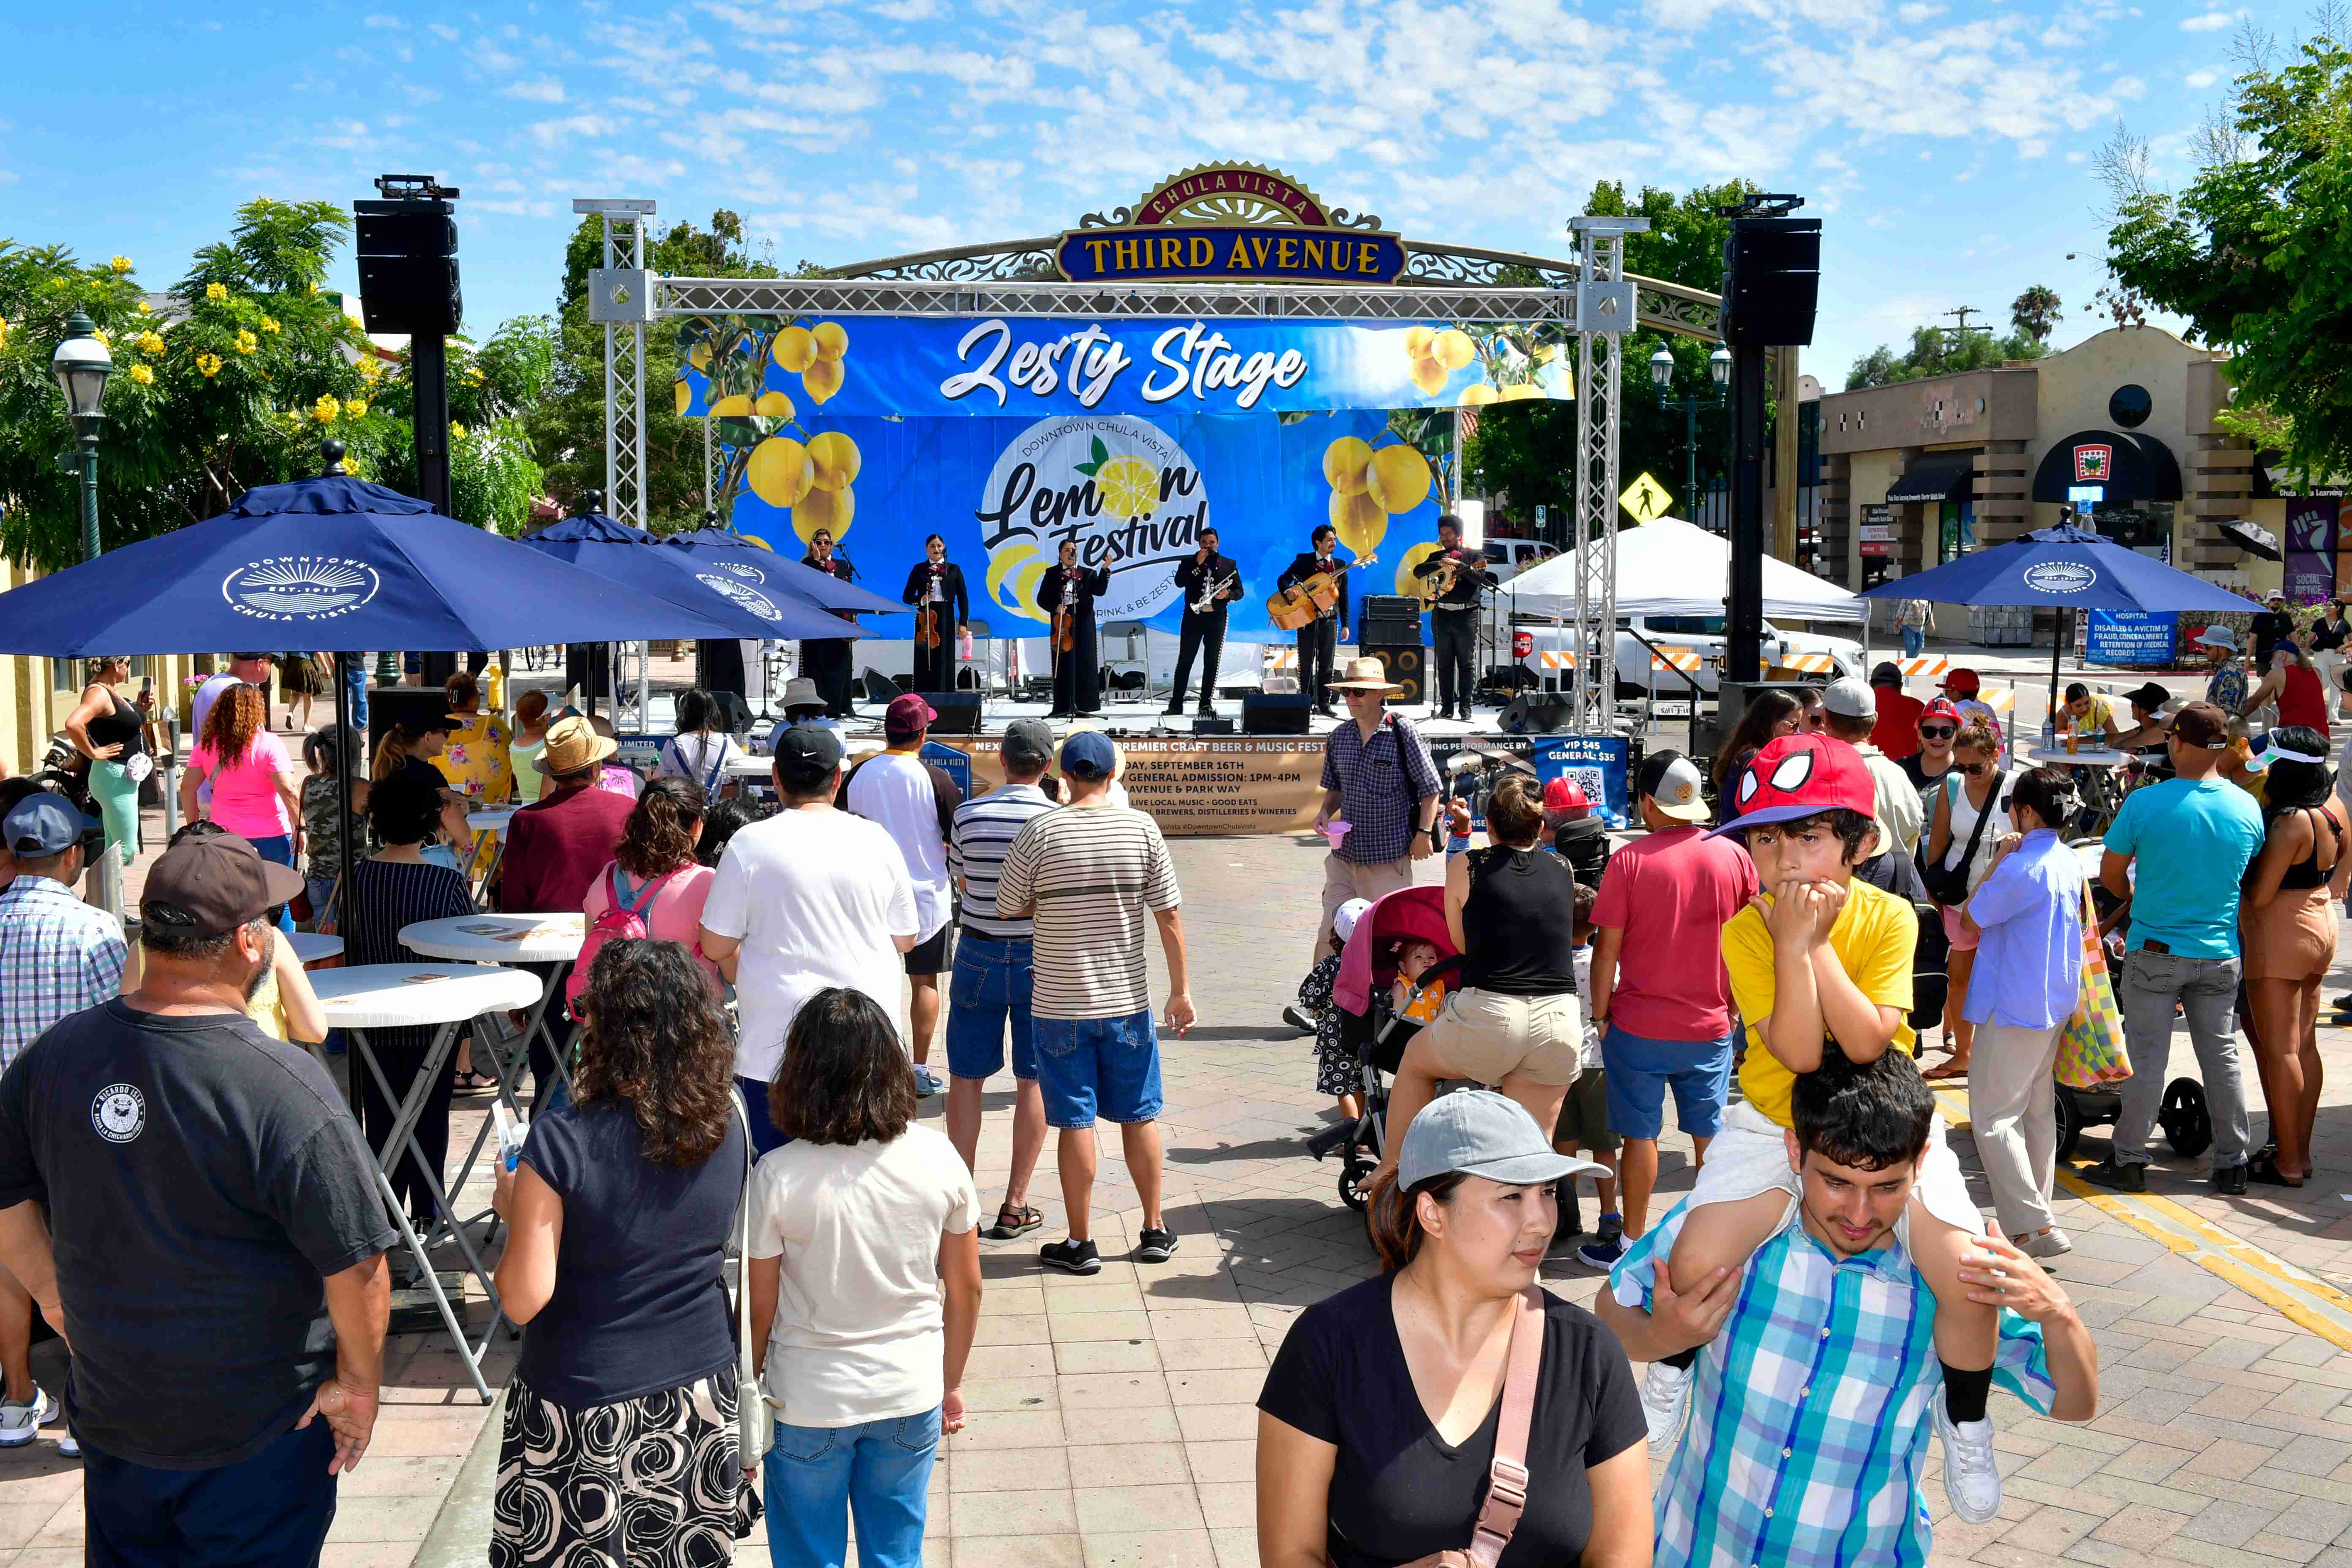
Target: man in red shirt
[(1897, 733), (1660, 994)]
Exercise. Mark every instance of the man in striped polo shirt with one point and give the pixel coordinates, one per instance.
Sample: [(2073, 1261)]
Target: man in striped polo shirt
[(1088, 874), (989, 988)]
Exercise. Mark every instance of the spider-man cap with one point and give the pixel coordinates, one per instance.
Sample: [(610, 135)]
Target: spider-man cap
[(1801, 775)]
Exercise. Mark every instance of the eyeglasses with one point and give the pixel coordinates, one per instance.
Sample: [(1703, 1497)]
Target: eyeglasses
[(1976, 770), (1938, 732)]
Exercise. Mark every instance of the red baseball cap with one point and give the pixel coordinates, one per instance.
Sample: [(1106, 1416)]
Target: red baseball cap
[(906, 715), (1963, 681), (1801, 775), (1564, 794), (1941, 709)]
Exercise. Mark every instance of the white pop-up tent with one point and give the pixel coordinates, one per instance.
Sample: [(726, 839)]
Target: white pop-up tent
[(1669, 567)]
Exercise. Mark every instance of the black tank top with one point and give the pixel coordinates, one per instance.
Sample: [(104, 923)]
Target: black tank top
[(2306, 872), (119, 727), (1521, 923)]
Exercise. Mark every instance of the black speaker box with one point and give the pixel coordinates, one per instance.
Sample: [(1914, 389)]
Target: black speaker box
[(408, 255), (1212, 726), (1407, 664), (1388, 618), (1533, 715), (1276, 714), (958, 711), (1772, 281)]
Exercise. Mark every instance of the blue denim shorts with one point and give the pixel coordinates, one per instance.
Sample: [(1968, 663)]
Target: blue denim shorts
[(987, 991), (1106, 1065), (1640, 1071)]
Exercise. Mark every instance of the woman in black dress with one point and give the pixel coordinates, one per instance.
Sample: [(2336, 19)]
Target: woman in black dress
[(936, 585), (1077, 673)]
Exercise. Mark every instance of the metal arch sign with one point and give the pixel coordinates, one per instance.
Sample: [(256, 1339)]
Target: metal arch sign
[(1231, 223)]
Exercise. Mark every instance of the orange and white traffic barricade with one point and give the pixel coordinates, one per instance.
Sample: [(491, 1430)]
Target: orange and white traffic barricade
[(1810, 663), (1555, 658), (1927, 666), (1685, 659)]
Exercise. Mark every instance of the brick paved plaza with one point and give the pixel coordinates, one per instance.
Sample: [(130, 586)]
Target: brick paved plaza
[(1112, 1417)]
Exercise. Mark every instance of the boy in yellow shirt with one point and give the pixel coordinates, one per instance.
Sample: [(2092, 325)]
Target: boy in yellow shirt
[(1823, 963)]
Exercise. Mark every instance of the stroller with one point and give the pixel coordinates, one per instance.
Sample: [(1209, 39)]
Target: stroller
[(1369, 1024)]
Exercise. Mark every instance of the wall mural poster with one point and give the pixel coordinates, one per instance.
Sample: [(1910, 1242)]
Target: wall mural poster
[(2310, 546)]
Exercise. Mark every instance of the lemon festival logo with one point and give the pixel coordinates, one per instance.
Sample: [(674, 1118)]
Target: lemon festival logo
[(1121, 488), (738, 592), (301, 587)]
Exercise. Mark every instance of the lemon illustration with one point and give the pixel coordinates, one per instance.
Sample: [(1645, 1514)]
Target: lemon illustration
[(1360, 520), (780, 471), (795, 349), (1430, 375), (1406, 583), (1129, 485), (700, 358), (1343, 464), (1454, 349), (825, 509), (1025, 591), (683, 390), (1399, 478), (1478, 395), (821, 379), (1001, 564), (1417, 342), (775, 405), (736, 406), (836, 459), (832, 340)]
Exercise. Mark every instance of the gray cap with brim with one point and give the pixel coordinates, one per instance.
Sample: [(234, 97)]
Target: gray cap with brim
[(1481, 1134)]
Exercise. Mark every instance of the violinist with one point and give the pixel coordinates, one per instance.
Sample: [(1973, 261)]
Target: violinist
[(1455, 574), (1209, 582), (827, 660), (1066, 593), (935, 588)]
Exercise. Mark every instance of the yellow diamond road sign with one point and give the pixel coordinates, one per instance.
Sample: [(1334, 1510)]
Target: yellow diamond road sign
[(1645, 498)]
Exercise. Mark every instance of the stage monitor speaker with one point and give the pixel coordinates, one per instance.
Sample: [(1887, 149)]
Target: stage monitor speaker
[(1274, 714), (1533, 715), (880, 688), (1388, 618), (388, 705), (1212, 727), (1404, 662), (1772, 281), (958, 711)]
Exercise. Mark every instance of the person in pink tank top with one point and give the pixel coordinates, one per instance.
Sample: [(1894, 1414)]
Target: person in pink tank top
[(657, 847)]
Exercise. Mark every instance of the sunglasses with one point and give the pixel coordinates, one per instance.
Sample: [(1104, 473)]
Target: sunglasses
[(1938, 732), (1976, 770)]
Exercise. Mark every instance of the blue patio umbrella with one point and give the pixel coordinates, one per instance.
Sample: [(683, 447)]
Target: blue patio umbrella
[(773, 573), (2064, 568), (615, 550)]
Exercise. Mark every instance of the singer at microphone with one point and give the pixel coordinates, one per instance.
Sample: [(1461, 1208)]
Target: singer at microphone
[(826, 660)]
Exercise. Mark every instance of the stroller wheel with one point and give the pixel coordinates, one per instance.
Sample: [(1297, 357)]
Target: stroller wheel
[(2188, 1124), (2069, 1119), (1352, 1177)]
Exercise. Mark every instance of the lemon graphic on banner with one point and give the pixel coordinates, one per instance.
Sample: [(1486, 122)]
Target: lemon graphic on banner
[(780, 472), (795, 349), (1017, 567), (1398, 478), (1646, 499), (1360, 522), (1344, 461), (1406, 583), (1130, 486), (836, 459)]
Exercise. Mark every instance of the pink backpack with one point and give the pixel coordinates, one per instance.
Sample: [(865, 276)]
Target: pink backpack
[(619, 920)]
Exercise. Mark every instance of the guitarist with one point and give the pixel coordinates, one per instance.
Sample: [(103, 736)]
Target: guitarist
[(1070, 587), (1319, 640), (1204, 574), (1454, 616), (827, 660), (935, 588)]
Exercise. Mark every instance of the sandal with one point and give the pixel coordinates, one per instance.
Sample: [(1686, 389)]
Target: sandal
[(464, 1080), (2264, 1169), (1945, 1070), (1011, 1222)]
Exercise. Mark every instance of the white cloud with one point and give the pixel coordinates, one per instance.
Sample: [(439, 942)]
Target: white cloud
[(2201, 78), (546, 89), (2209, 22), (380, 20), (444, 32), (8, 176)]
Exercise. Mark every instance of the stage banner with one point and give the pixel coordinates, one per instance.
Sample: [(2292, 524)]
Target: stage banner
[(1026, 367), (1217, 786), (2131, 636), (1132, 494), (1600, 765)]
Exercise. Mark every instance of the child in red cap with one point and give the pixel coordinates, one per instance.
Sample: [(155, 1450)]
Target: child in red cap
[(1960, 688), (1820, 961)]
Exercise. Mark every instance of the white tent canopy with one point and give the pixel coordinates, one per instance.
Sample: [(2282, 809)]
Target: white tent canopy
[(1669, 567)]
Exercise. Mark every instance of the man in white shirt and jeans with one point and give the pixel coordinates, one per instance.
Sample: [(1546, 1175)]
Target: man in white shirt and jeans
[(810, 898), (915, 803)]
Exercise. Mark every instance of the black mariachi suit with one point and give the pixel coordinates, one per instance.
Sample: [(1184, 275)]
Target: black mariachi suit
[(1202, 632), (1318, 639), (1077, 674), (935, 667), (826, 660), (1454, 624)]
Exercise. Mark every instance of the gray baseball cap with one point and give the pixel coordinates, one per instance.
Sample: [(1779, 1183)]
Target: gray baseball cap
[(1482, 1133), (1029, 742)]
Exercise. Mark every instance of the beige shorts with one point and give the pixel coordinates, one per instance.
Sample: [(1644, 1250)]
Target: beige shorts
[(1488, 1037)]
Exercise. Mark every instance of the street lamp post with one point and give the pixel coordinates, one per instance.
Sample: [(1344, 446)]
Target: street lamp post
[(82, 366), (1662, 376)]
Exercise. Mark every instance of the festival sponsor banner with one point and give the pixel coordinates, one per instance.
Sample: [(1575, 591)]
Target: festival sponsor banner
[(1600, 765), (1216, 786), (2134, 637)]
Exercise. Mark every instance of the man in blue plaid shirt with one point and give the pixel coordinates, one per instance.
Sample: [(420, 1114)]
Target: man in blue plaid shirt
[(1379, 779), (1811, 1403)]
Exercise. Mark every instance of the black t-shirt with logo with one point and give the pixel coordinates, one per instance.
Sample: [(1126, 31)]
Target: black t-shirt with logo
[(202, 1179)]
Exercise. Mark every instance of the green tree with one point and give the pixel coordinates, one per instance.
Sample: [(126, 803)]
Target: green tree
[(1941, 351), (2034, 313)]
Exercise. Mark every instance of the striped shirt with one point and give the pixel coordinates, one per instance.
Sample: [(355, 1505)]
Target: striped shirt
[(984, 830), (57, 956), (1093, 872), (1809, 1413)]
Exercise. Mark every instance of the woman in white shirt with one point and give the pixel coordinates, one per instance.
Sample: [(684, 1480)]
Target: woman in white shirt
[(701, 749), (855, 1225)]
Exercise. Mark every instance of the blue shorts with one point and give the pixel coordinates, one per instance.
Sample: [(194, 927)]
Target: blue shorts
[(1105, 1065), (988, 989), (1640, 1071)]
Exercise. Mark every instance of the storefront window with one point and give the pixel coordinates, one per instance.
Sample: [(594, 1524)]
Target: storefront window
[(2143, 526), (1955, 530)]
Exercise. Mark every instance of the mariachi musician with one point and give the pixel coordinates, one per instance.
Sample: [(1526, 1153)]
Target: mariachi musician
[(1209, 582), (1319, 640), (826, 660), (1456, 578), (1066, 593), (935, 588)]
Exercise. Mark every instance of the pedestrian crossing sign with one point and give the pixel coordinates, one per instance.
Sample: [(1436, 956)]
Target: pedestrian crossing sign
[(1646, 499)]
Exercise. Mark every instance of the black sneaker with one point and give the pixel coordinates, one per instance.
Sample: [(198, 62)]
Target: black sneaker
[(1159, 1245), (1612, 1228), (1603, 1255), (2230, 1180), (1071, 1256), (2118, 1178), (1173, 710), (1299, 1018)]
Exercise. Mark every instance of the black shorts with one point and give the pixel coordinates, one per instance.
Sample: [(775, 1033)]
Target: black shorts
[(930, 956)]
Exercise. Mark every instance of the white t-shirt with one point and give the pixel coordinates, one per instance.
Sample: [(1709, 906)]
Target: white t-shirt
[(861, 1331), (895, 790), (816, 898), (700, 757)]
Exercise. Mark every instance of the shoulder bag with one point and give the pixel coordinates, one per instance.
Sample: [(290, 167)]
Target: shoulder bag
[(2092, 1051), (1950, 886), (754, 1423)]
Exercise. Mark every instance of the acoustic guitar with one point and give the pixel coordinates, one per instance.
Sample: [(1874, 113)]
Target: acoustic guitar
[(1310, 598)]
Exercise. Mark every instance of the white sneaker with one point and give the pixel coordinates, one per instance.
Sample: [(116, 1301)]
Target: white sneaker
[(2051, 1242), (20, 1423), (1971, 1478), (68, 1447), (1666, 1401)]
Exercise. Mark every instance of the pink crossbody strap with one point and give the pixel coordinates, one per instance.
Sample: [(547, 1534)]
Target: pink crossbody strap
[(1506, 1478)]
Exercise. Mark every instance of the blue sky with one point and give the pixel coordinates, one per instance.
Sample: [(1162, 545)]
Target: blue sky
[(1948, 147)]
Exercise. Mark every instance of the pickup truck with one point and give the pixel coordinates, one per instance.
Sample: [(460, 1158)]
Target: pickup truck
[(1700, 634)]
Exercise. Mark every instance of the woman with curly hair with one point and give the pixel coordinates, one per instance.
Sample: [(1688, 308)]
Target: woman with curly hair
[(619, 1444), (654, 870), (257, 793)]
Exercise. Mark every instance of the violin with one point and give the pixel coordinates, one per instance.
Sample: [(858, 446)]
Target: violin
[(1066, 616), (926, 626)]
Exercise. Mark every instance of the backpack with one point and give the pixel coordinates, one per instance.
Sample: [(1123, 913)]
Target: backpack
[(621, 920)]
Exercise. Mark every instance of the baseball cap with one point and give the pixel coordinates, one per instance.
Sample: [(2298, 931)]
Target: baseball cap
[(1481, 1134), (1944, 709), (1028, 742), (1962, 682), (1088, 755), (1672, 784), (1344, 918), (2202, 725), (1850, 698), (908, 715), (806, 752), (44, 824), (1803, 775), (214, 885), (1564, 794), (1886, 672)]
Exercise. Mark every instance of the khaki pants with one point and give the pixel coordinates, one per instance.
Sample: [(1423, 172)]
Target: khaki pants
[(2013, 1101), (1345, 880)]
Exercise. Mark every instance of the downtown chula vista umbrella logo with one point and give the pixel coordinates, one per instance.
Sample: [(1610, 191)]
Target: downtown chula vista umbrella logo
[(740, 593), (2063, 577), (301, 587)]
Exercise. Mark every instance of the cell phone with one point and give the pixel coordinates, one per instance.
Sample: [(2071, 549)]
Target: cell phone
[(146, 686), (513, 1130)]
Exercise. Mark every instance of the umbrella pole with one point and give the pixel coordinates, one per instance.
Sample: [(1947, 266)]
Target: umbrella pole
[(2057, 647), (344, 764)]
